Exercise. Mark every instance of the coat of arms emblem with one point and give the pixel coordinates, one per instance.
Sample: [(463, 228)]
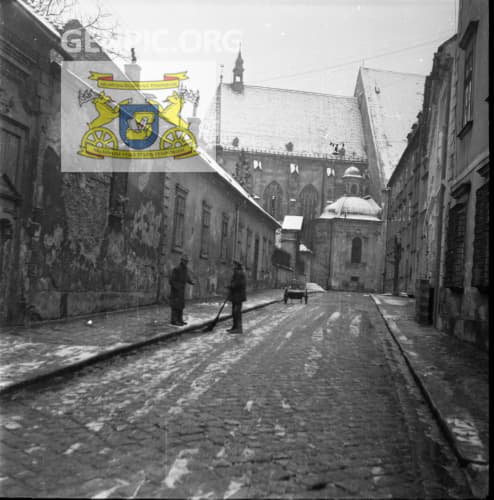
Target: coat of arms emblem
[(138, 124)]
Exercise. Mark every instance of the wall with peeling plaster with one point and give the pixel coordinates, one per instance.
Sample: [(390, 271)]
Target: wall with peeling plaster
[(71, 251), (29, 124), (87, 242), (84, 262)]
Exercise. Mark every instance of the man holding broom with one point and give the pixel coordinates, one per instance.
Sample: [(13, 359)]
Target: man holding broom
[(180, 276)]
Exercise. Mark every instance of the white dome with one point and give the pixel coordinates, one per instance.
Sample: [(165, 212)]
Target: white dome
[(352, 172), (352, 207)]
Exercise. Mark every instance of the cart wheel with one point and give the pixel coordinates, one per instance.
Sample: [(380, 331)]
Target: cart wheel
[(99, 137), (177, 137)]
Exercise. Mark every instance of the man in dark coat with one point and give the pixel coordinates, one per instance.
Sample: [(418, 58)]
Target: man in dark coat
[(237, 295), (179, 278)]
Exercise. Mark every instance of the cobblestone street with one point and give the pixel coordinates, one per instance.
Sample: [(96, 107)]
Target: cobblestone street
[(312, 401)]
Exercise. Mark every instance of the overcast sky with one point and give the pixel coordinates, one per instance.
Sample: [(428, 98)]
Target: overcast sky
[(312, 45)]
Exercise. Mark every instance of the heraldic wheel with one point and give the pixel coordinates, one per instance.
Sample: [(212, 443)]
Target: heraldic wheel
[(177, 137), (100, 137)]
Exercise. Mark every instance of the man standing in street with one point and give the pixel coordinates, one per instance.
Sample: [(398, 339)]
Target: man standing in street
[(237, 295), (179, 278)]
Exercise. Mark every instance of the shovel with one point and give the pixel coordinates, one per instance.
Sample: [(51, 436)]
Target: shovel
[(213, 323)]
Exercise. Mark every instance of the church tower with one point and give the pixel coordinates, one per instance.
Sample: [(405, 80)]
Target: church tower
[(238, 74)]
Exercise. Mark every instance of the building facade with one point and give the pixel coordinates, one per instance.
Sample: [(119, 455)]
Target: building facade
[(348, 240), (77, 243), (463, 309), (415, 191), (290, 149), (210, 217), (437, 236), (402, 220)]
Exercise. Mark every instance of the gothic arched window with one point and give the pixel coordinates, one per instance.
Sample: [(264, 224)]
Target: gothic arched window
[(273, 196), (308, 202), (356, 250)]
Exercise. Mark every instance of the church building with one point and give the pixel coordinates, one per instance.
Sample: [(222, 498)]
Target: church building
[(293, 150), (348, 243)]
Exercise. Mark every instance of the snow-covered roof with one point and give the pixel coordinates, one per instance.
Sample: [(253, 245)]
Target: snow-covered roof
[(266, 119), (393, 102), (352, 207), (39, 17), (235, 185), (292, 223)]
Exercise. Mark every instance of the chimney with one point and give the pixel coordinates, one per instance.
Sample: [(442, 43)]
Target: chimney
[(133, 70)]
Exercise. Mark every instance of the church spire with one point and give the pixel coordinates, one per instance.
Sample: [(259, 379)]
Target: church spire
[(238, 73)]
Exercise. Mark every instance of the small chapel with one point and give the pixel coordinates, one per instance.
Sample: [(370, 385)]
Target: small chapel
[(348, 241)]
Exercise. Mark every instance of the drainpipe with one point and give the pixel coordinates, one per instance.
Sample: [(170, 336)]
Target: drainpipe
[(437, 280), (384, 234), (444, 159)]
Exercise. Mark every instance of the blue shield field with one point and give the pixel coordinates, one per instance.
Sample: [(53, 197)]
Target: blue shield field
[(138, 125)]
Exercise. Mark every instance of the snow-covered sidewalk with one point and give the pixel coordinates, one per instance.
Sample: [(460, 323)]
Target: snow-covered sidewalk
[(41, 350), (454, 376)]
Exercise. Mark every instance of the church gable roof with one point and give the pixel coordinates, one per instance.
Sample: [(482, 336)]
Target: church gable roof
[(267, 119), (393, 101)]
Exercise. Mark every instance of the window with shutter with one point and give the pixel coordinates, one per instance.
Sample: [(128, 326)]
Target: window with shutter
[(205, 223), (179, 218), (224, 237), (455, 247), (480, 271)]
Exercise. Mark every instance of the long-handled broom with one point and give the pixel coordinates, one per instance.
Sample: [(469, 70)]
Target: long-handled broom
[(209, 327)]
